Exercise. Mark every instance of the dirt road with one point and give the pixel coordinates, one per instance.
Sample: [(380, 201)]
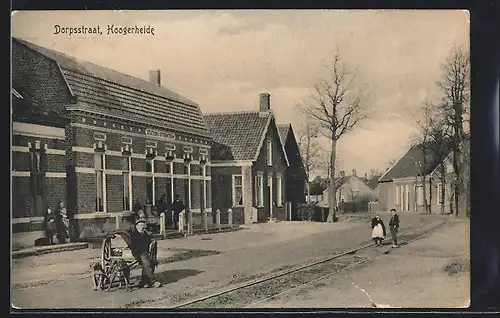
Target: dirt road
[(191, 266)]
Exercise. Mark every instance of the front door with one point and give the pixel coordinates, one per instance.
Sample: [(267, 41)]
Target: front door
[(269, 202), (37, 181)]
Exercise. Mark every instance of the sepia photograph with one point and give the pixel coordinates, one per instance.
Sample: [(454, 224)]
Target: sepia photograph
[(248, 159)]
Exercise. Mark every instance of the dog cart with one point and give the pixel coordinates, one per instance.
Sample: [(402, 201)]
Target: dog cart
[(123, 251)]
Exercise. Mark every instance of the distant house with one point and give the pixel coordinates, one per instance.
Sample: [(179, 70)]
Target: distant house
[(296, 177), (249, 164), (401, 187), (316, 188), (351, 188)]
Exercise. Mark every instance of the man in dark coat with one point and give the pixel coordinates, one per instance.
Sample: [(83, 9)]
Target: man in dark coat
[(394, 227), (177, 207), (162, 206), (139, 245)]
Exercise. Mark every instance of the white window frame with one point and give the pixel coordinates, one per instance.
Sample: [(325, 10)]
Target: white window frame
[(269, 152), (397, 195), (170, 166), (129, 179), (402, 199), (233, 186), (439, 190), (420, 195), (151, 174), (279, 190), (407, 197), (102, 172), (259, 191)]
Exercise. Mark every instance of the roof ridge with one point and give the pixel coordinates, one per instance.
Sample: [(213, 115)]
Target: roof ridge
[(238, 112), (36, 47)]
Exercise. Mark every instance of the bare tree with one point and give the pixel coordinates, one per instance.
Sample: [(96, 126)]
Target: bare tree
[(374, 173), (432, 141), (420, 141), (455, 84), (337, 107), (309, 151)]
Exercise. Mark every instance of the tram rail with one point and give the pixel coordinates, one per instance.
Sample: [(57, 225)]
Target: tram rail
[(304, 275)]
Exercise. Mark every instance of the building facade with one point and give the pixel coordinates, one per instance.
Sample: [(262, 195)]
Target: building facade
[(410, 184), (115, 138), (296, 177), (248, 164)]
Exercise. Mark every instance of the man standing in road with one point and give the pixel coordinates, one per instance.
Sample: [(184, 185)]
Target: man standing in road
[(394, 227)]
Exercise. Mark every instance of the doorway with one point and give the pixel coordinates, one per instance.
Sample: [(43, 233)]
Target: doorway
[(37, 182), (269, 203)]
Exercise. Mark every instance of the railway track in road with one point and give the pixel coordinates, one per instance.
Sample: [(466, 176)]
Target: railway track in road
[(259, 290)]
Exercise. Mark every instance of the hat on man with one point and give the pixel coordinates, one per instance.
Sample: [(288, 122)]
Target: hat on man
[(140, 221)]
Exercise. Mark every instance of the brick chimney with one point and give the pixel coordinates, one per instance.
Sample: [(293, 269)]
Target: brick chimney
[(366, 176), (155, 77), (354, 172), (264, 102)]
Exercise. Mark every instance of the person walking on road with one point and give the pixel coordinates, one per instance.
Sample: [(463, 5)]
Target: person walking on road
[(394, 227), (177, 207), (378, 230)]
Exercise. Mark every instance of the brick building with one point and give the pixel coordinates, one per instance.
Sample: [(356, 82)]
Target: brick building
[(98, 139), (296, 177), (248, 164)]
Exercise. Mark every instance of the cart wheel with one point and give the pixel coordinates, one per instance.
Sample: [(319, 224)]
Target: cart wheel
[(153, 252), (106, 253)]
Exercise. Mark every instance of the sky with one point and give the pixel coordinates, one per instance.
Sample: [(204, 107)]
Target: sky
[(223, 59)]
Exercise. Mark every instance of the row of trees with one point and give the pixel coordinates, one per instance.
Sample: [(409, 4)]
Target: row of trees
[(442, 131), (336, 106)]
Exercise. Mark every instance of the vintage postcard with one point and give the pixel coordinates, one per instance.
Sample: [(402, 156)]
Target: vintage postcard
[(240, 159)]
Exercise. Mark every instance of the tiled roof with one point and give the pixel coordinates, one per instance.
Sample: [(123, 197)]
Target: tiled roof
[(373, 182), (283, 131), (99, 88), (408, 165), (237, 136)]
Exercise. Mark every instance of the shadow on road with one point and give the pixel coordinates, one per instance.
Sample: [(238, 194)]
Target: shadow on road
[(172, 276)]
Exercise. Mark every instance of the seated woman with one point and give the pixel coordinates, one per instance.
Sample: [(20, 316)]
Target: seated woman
[(139, 240)]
